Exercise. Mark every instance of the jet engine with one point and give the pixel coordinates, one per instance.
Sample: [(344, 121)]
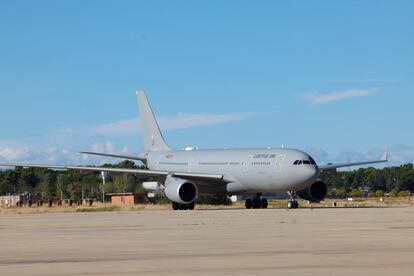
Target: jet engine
[(181, 191), (315, 193)]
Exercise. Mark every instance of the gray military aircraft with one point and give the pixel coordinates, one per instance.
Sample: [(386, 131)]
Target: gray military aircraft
[(185, 174)]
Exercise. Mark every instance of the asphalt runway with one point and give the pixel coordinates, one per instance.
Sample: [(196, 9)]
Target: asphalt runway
[(366, 241)]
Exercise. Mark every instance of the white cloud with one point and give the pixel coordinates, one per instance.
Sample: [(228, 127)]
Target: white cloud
[(23, 153), (15, 152), (365, 80), (180, 121), (318, 98), (400, 154), (61, 146)]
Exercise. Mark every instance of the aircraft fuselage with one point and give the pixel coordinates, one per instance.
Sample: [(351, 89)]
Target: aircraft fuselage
[(247, 170)]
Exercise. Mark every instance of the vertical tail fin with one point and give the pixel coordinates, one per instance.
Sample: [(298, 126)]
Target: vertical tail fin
[(153, 140)]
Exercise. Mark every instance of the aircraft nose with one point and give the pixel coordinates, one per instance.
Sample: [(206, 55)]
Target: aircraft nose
[(311, 172)]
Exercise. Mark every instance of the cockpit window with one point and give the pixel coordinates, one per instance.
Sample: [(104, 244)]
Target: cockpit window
[(305, 162)]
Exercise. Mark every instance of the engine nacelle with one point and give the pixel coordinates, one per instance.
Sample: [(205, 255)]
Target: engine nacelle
[(180, 190), (315, 193)]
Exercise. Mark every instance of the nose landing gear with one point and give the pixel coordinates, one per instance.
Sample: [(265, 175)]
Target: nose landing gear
[(256, 203), (292, 203)]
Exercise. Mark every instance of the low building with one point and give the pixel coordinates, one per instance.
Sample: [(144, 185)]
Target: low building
[(20, 200), (128, 199), (12, 200)]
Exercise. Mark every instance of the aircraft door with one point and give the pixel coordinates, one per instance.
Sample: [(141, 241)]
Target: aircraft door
[(190, 164), (278, 163), (246, 163)]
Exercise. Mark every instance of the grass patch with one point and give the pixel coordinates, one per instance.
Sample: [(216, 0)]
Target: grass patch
[(278, 204), (99, 209)]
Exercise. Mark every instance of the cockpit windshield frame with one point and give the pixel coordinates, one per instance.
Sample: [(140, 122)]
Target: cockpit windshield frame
[(309, 161)]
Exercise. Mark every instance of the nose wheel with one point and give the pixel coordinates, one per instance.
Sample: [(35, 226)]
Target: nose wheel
[(292, 203), (256, 203)]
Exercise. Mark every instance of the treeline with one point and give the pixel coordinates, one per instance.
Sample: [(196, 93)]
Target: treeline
[(73, 184), (395, 181)]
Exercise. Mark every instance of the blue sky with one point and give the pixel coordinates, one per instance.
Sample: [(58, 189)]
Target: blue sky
[(334, 78)]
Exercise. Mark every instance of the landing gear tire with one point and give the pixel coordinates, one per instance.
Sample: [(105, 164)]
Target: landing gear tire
[(264, 203), (177, 206), (248, 203), (256, 203), (292, 204)]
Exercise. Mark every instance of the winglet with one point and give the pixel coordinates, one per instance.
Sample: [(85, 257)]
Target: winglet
[(384, 156)]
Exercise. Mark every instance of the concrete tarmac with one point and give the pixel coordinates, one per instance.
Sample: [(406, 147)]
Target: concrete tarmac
[(363, 241)]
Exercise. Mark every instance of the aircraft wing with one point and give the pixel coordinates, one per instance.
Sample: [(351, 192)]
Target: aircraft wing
[(184, 175), (204, 179), (328, 167), (142, 159)]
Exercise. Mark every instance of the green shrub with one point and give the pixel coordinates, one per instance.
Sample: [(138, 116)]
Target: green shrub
[(161, 198), (337, 192), (404, 193), (394, 193), (355, 193), (214, 200)]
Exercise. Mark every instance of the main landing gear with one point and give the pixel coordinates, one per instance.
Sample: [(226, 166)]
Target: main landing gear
[(256, 203), (178, 206), (292, 203)]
